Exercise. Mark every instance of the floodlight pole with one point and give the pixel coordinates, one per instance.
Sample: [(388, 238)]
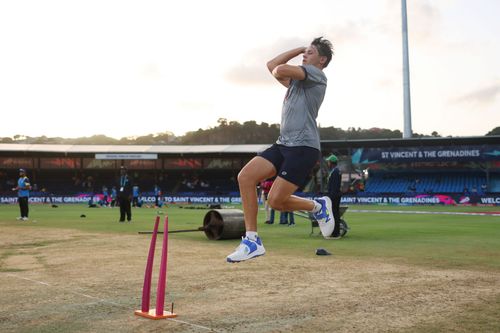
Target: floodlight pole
[(407, 132)]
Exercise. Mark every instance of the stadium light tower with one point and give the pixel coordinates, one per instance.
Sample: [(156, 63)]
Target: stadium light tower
[(407, 132)]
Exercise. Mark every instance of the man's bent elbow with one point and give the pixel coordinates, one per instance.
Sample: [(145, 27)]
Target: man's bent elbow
[(279, 72), (271, 65)]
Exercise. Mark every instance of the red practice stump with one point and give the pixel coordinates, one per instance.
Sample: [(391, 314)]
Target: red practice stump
[(158, 312)]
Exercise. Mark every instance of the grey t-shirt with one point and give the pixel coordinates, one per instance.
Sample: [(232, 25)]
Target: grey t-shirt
[(300, 110)]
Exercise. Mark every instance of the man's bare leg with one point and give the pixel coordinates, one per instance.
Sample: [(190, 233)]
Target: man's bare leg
[(255, 171), (281, 198)]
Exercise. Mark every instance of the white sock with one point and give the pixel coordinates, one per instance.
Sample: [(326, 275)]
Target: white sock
[(317, 207), (252, 235)]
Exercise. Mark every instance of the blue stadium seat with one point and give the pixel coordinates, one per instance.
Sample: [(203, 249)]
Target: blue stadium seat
[(426, 182)]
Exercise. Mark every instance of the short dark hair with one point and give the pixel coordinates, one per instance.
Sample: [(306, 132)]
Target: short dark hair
[(324, 47)]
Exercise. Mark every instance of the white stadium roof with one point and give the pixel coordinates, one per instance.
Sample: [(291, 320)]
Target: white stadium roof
[(122, 149)]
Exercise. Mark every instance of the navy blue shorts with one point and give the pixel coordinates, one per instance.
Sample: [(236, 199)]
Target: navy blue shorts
[(292, 163)]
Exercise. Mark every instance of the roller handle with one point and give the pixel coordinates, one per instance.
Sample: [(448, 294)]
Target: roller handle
[(176, 231)]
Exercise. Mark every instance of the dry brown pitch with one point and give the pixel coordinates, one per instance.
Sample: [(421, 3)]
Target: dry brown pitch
[(68, 281)]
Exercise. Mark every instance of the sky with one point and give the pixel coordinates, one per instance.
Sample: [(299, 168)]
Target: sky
[(124, 68)]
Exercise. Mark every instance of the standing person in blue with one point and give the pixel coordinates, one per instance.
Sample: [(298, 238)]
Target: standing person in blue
[(105, 196), (296, 151), (114, 195), (287, 218), (157, 193), (23, 193), (125, 195), (135, 196), (334, 192)]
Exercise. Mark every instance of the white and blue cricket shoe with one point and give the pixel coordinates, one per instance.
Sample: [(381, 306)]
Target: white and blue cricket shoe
[(247, 249), (324, 217)]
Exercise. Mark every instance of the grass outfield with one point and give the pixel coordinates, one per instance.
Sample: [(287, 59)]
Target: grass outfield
[(446, 241)]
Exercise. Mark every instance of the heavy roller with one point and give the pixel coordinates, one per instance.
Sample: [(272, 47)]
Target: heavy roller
[(218, 224)]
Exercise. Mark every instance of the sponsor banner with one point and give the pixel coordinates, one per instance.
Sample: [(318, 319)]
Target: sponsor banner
[(85, 198), (426, 154), (432, 199), (424, 199), (126, 156)]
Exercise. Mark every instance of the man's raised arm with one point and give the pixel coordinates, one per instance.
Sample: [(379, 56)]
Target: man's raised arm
[(282, 71)]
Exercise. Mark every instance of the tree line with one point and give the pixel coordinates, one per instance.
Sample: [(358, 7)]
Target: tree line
[(226, 132)]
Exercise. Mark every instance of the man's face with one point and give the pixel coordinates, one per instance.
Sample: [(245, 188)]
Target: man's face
[(312, 57)]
